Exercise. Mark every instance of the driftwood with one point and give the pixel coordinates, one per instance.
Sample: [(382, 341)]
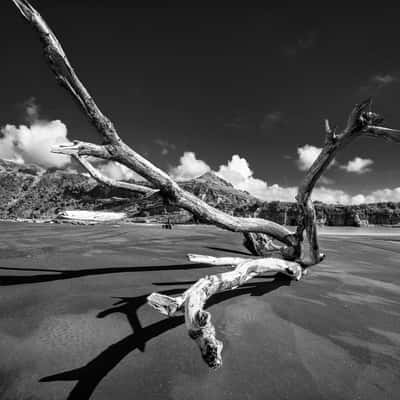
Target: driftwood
[(192, 301), (94, 216), (290, 256)]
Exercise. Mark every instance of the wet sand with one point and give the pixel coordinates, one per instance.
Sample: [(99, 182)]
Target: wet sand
[(74, 323)]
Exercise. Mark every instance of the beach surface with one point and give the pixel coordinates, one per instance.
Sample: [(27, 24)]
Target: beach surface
[(74, 323)]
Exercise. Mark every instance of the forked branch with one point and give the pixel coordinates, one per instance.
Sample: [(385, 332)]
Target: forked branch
[(96, 174), (192, 301), (115, 149), (258, 232), (360, 123)]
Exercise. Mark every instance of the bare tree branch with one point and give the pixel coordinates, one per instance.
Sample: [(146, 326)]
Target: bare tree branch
[(65, 74), (333, 143), (359, 123), (192, 301), (391, 135), (96, 174), (262, 244), (83, 149), (115, 149), (258, 232)]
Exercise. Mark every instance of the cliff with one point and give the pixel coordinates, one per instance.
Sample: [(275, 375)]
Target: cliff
[(28, 191)]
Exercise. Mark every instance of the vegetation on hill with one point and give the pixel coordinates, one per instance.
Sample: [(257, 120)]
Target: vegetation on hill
[(28, 191)]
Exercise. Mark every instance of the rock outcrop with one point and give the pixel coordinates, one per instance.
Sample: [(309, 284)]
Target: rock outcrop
[(28, 191)]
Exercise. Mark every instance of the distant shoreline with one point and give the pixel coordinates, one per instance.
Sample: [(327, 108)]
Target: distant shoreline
[(376, 230)]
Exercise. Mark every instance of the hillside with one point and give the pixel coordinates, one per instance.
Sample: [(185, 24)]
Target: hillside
[(28, 191)]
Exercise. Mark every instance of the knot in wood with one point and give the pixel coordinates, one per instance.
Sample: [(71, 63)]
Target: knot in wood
[(194, 333)]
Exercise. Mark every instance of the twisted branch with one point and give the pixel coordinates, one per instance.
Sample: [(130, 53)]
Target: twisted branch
[(192, 301), (115, 149), (360, 123), (258, 232), (96, 174)]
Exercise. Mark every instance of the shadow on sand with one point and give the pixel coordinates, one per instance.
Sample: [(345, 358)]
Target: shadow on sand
[(90, 375), (225, 250), (7, 280)]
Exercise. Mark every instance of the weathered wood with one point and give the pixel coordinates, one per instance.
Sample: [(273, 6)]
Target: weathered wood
[(260, 244), (258, 232), (96, 174), (96, 216), (115, 149), (391, 135), (192, 301), (359, 123), (201, 259), (65, 74)]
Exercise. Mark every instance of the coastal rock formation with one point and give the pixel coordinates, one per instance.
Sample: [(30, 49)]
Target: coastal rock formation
[(29, 191)]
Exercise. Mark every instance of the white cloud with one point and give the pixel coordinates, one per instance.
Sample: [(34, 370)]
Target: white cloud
[(382, 195), (307, 155), (32, 143), (358, 165), (324, 180), (117, 171), (237, 171), (331, 196), (190, 167)]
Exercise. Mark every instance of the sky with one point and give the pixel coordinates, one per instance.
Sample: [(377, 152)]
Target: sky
[(240, 91)]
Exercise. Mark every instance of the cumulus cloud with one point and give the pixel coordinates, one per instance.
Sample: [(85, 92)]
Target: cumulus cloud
[(382, 195), (358, 165), (307, 155), (332, 196), (237, 171), (189, 167), (32, 143), (324, 180), (117, 171)]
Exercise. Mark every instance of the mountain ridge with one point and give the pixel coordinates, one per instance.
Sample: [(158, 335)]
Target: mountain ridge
[(30, 191)]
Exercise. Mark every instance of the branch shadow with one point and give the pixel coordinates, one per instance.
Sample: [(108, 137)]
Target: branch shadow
[(90, 375), (243, 253), (7, 280)]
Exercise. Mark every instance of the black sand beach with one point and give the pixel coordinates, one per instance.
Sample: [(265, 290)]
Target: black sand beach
[(74, 323)]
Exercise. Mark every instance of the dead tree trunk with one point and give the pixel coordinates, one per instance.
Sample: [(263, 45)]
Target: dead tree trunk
[(192, 301), (259, 233)]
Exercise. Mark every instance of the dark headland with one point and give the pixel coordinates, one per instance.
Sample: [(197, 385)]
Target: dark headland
[(30, 192)]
